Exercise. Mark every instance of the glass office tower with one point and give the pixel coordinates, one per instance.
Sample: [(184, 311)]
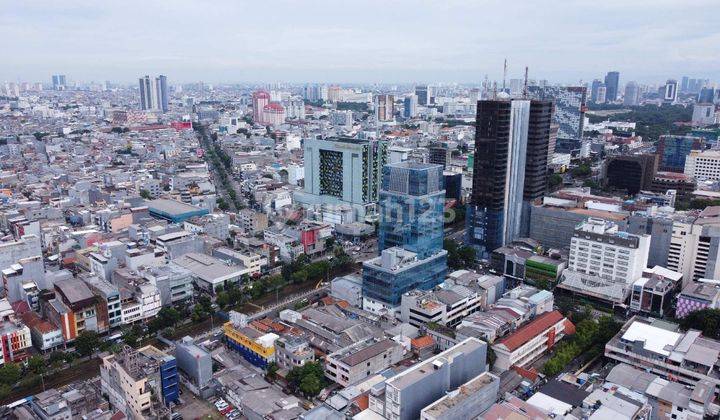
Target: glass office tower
[(411, 202)]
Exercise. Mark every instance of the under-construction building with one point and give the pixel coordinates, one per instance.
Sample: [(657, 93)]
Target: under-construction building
[(141, 383)]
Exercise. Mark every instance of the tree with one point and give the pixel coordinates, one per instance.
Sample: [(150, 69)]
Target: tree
[(554, 180), (223, 299), (272, 369), (310, 386), (169, 316), (87, 342), (145, 194), (9, 373), (129, 337), (36, 364), (5, 391), (56, 358), (705, 320), (309, 378)]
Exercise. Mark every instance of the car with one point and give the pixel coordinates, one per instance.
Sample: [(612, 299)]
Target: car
[(227, 409), (233, 414)]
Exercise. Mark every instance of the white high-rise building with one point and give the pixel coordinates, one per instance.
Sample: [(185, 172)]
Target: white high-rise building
[(694, 243), (704, 114), (670, 92), (598, 248), (703, 165)]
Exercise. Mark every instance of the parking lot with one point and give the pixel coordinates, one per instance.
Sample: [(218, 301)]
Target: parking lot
[(195, 408)]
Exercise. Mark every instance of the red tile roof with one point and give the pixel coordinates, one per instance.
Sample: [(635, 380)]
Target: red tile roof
[(33, 321), (422, 342), (20, 307), (536, 327)]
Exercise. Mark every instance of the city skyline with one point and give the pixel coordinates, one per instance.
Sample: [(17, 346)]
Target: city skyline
[(449, 42)]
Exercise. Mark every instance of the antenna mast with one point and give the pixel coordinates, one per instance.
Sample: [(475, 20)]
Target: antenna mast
[(504, 74), (525, 86)]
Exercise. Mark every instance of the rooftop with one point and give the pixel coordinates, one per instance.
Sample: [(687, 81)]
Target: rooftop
[(526, 333), (473, 386), (74, 290), (172, 207), (425, 369), (362, 352)]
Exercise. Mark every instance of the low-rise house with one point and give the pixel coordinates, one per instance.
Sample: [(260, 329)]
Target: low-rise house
[(44, 335), (210, 272), (14, 335), (531, 341), (358, 361), (292, 352), (74, 308)]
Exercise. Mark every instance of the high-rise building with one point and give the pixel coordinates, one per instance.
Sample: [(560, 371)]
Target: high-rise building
[(570, 107), (333, 93), (411, 208), (59, 82), (410, 106), (439, 155), (632, 94), (510, 169), (599, 248), (673, 151), (594, 90), (703, 165), (343, 171), (704, 114), (154, 93), (670, 92), (612, 82), (273, 114), (423, 95), (601, 94), (410, 236), (384, 107), (631, 173), (148, 94), (260, 98), (162, 92), (684, 84), (706, 95)]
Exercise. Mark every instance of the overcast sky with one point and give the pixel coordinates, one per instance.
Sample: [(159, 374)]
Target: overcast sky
[(358, 41)]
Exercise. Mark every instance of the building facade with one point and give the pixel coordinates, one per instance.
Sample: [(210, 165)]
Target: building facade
[(343, 171), (510, 170), (411, 208)]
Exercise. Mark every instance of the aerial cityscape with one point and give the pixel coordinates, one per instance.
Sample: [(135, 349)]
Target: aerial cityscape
[(406, 213)]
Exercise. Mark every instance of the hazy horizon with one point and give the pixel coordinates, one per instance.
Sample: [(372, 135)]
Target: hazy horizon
[(364, 42)]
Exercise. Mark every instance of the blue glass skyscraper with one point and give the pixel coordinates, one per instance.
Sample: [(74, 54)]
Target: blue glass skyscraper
[(412, 201), (410, 236)]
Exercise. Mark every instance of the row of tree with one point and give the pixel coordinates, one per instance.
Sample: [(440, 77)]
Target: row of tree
[(589, 340)]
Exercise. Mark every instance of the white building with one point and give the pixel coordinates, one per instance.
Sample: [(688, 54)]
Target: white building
[(703, 165), (531, 341), (693, 250), (704, 114), (447, 306), (598, 248)]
